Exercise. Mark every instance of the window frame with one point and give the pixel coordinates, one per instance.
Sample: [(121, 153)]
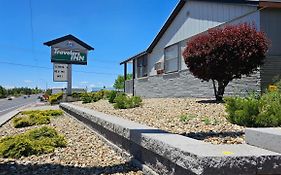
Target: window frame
[(177, 58), (141, 67)]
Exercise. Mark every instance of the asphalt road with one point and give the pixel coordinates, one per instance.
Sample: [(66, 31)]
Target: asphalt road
[(10, 105)]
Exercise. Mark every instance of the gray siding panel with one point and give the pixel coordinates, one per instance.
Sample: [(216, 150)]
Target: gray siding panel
[(271, 25), (183, 84), (270, 71)]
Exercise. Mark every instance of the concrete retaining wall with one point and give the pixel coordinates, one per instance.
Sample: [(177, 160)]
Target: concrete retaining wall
[(168, 153)]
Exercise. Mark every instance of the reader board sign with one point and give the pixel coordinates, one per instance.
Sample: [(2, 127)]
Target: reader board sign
[(60, 72)]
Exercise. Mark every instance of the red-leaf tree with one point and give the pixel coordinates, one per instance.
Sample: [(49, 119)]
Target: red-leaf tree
[(224, 54)]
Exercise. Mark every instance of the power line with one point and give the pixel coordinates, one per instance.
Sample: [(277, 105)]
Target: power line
[(48, 52), (49, 68)]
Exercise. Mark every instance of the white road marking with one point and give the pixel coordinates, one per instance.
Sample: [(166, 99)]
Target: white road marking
[(12, 108)]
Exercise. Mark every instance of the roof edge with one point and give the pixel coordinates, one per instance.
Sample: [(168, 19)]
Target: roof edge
[(68, 37), (134, 57), (166, 25)]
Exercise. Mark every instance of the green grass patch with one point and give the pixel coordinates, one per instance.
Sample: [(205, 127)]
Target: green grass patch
[(33, 142), (35, 117), (185, 118), (206, 120)]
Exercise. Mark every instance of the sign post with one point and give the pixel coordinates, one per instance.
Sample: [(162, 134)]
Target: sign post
[(66, 51), (69, 78)]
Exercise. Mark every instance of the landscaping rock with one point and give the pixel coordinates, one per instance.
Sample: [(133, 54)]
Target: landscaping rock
[(206, 121), (85, 153)]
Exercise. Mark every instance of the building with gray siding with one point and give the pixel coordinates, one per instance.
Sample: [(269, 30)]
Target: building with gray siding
[(160, 71)]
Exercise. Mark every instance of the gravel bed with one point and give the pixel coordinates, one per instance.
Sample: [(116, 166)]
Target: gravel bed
[(206, 119), (85, 153)]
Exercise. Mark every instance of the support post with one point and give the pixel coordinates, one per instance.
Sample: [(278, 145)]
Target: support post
[(134, 72), (125, 75), (69, 79)]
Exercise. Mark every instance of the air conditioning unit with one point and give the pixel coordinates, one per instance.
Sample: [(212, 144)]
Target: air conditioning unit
[(159, 67)]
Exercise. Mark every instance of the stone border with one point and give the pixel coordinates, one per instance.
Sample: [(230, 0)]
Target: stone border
[(168, 153), (266, 138), (146, 170)]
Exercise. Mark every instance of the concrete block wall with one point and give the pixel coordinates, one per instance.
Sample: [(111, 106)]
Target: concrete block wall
[(184, 84), (172, 154)]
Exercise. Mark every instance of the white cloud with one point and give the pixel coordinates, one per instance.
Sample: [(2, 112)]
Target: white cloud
[(27, 81), (84, 82), (93, 85)]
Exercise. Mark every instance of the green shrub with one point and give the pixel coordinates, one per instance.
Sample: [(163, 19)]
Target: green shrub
[(55, 98), (269, 110), (35, 117), (255, 111), (111, 96), (97, 96), (86, 98), (122, 101), (106, 93), (135, 101), (34, 142), (76, 95), (49, 112), (20, 122), (93, 96)]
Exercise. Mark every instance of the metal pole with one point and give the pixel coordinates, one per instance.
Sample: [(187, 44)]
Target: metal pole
[(134, 72), (69, 79), (125, 76)]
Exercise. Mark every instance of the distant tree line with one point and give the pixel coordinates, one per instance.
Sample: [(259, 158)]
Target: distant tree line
[(18, 91)]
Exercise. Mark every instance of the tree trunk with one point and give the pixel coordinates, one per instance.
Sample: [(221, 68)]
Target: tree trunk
[(220, 91)]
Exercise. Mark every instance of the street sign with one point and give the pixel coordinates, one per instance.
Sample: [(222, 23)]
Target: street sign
[(60, 72)]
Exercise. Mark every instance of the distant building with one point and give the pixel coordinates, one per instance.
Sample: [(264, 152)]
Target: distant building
[(95, 89), (59, 90), (160, 70)]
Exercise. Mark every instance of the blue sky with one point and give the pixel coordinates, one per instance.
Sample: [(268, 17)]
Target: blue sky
[(117, 29)]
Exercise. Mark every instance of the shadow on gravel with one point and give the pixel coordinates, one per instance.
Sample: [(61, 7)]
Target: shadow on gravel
[(205, 135), (210, 102), (12, 168)]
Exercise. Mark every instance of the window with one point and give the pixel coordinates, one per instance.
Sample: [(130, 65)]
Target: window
[(171, 62), (142, 67)]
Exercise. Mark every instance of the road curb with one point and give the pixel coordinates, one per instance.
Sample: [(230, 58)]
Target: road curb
[(8, 116)]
